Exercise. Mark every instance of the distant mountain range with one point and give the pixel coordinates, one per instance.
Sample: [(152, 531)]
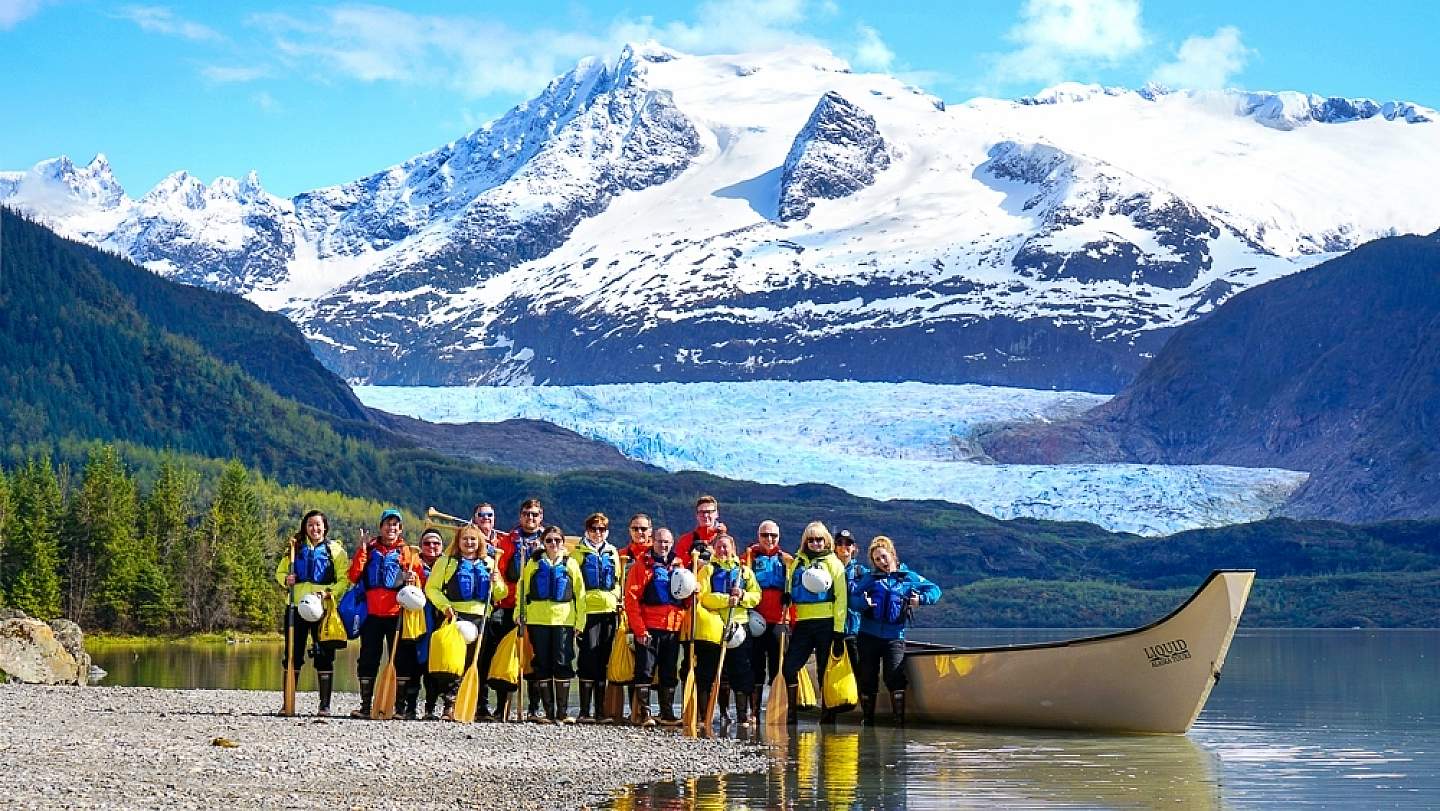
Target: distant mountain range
[(661, 216), (1335, 371)]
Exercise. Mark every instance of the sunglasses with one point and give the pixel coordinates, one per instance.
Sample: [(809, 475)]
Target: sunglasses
[(484, 515), (640, 529), (769, 534), (599, 529), (533, 513), (814, 538), (553, 540)]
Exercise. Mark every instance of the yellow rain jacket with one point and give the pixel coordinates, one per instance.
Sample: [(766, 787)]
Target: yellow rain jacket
[(599, 600), (340, 563), (835, 602), (540, 610), (440, 575), (714, 605)]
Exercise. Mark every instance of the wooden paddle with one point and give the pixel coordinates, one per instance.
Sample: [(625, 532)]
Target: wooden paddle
[(613, 706), (287, 701), (469, 693), (382, 707), (719, 673), (689, 709), (777, 706)]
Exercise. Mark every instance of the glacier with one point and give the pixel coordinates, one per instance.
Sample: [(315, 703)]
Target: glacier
[(878, 440)]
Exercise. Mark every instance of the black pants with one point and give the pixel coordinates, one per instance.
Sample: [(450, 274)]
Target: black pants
[(307, 635), (663, 654), (595, 642), (375, 636), (737, 666), (875, 652), (808, 637), (554, 651), (502, 622), (765, 655)]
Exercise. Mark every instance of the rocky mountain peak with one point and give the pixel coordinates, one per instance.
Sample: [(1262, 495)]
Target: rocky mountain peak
[(835, 154)]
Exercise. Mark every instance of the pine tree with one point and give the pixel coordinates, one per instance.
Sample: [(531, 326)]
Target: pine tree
[(4, 520), (235, 531), (104, 558), (168, 519), (30, 566)]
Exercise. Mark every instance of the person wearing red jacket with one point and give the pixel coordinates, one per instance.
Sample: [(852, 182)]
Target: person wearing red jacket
[(516, 548), (381, 566), (769, 563), (655, 617), (707, 526)]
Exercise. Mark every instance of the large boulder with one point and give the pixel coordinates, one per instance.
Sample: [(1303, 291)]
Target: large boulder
[(72, 639), (29, 652)]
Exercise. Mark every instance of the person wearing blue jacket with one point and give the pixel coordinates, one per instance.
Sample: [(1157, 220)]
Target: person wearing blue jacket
[(885, 597)]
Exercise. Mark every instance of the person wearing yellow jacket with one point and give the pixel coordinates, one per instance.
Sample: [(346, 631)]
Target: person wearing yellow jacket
[(817, 596), (599, 564), (728, 590), (460, 583), (314, 565), (552, 591)]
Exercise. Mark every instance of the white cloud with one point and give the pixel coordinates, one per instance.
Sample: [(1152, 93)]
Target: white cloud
[(161, 20), (233, 75), (265, 102), (1058, 37), (1205, 63), (871, 52), (14, 12), (730, 25)]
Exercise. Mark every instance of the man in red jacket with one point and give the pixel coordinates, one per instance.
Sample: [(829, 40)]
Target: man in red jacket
[(516, 547), (655, 618), (707, 526), (381, 566)]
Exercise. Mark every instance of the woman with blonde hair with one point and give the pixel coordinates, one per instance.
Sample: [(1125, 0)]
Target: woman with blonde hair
[(815, 589), (885, 596), (461, 582)]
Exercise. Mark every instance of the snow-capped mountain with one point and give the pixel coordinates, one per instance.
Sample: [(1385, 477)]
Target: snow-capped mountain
[(671, 217)]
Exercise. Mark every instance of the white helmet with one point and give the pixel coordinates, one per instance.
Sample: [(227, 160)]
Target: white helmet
[(682, 584), (816, 580), (736, 637), (468, 631), (411, 597), (756, 623), (311, 608)]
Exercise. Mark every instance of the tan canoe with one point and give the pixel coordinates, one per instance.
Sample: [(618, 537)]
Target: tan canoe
[(1152, 679)]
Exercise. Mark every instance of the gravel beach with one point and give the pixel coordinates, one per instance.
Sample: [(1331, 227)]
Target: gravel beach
[(140, 747)]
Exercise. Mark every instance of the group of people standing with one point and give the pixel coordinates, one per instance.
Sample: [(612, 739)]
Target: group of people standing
[(571, 603)]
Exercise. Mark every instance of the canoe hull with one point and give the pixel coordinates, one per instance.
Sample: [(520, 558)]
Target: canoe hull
[(1154, 679)]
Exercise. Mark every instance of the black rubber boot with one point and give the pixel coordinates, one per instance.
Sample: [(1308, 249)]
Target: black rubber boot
[(641, 704), (326, 684), (562, 702), (867, 709), (402, 683), (792, 716), (546, 693), (587, 691), (723, 704), (412, 700), (502, 705), (482, 704), (897, 705), (757, 700), (367, 691), (533, 691), (667, 707), (742, 709)]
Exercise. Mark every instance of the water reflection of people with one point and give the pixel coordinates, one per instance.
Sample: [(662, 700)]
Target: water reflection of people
[(886, 597)]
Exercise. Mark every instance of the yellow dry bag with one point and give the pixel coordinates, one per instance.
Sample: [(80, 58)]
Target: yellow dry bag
[(841, 691), (621, 668), (447, 650), (505, 665), (332, 629)]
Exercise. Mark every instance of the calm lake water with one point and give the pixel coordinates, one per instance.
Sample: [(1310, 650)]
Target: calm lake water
[(1320, 718)]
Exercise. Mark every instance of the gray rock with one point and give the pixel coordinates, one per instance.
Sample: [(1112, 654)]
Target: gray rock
[(70, 637), (30, 653)]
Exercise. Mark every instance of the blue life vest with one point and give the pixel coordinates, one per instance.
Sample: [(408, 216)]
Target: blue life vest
[(471, 581), (800, 594), (891, 595), (658, 590), (722, 580), (598, 571), (551, 581), (769, 571), (383, 569), (313, 564)]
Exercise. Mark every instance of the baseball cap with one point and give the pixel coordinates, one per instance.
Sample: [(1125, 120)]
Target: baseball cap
[(845, 537), (390, 513)]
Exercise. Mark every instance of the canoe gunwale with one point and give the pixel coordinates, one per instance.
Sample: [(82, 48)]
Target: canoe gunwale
[(913, 648)]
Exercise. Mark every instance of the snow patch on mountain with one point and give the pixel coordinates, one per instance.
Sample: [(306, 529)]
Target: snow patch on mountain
[(907, 440)]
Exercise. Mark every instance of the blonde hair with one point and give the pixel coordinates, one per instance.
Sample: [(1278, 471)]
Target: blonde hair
[(817, 528), (882, 542), (453, 550)]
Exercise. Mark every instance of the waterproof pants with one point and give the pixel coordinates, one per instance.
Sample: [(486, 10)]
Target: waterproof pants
[(502, 622), (765, 655), (554, 651), (595, 642), (307, 636), (808, 637), (661, 654), (737, 666), (375, 636), (876, 653)]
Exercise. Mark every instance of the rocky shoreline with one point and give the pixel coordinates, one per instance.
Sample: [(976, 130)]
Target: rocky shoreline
[(139, 747)]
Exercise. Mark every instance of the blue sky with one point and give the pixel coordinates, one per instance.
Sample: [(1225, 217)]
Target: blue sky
[(317, 94)]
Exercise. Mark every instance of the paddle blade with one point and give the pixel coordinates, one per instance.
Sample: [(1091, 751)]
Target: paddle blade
[(468, 696), (689, 712), (777, 706), (382, 707)]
